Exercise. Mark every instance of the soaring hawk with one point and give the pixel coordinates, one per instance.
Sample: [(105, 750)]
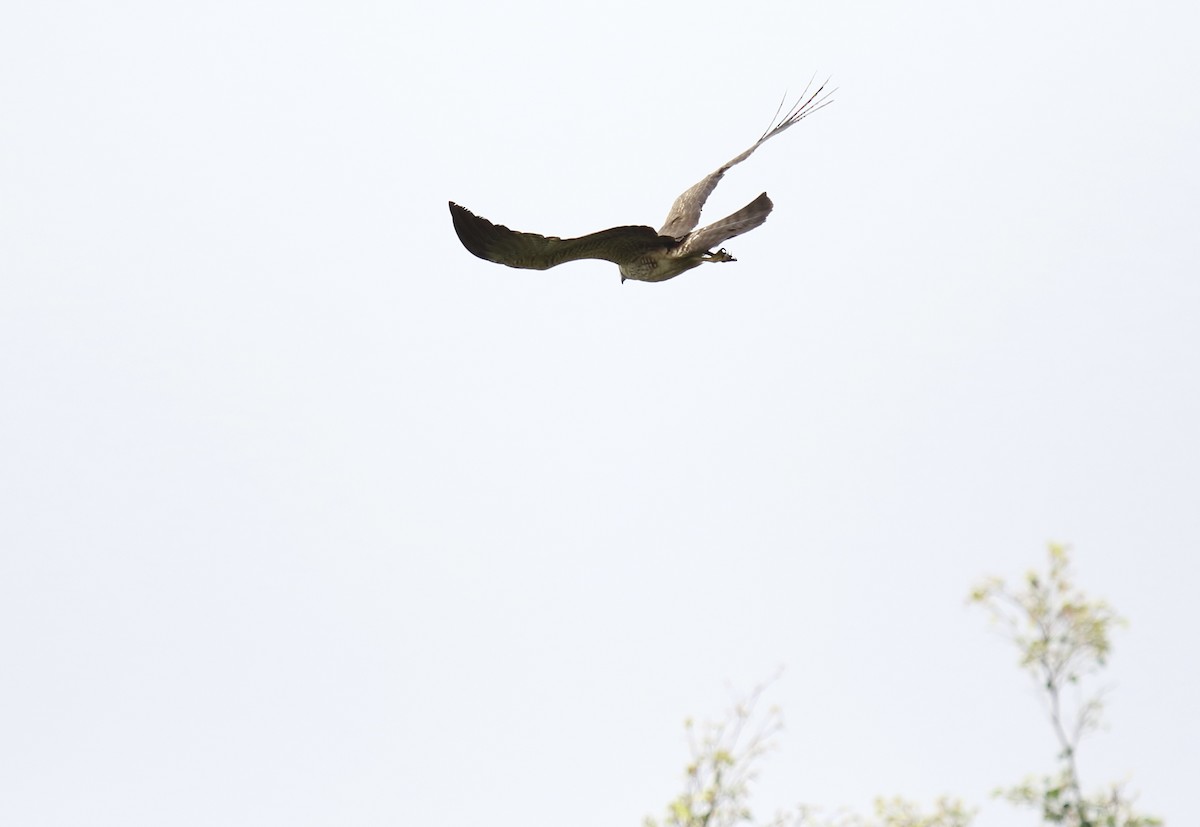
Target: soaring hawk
[(640, 252)]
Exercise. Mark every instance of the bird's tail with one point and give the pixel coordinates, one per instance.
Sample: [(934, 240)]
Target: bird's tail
[(744, 220)]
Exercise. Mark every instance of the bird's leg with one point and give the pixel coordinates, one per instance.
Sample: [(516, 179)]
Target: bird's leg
[(719, 255)]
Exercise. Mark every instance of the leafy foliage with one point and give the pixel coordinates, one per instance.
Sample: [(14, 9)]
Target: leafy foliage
[(1062, 638), (723, 762), (893, 812), (723, 766)]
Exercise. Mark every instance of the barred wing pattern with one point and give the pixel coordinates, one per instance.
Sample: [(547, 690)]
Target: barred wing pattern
[(530, 251)]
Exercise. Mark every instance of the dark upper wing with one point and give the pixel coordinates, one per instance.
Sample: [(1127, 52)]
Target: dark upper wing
[(685, 212), (530, 251)]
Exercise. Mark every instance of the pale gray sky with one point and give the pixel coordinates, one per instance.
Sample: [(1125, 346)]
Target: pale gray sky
[(310, 517)]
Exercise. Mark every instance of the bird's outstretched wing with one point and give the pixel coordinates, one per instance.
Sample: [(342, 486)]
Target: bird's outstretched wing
[(685, 212), (529, 251)]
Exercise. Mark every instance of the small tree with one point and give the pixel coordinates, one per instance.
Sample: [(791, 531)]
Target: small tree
[(1062, 638), (724, 758)]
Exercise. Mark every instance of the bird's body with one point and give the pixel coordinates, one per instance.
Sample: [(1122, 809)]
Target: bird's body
[(641, 253)]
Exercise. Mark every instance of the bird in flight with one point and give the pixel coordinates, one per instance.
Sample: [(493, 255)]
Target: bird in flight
[(641, 253)]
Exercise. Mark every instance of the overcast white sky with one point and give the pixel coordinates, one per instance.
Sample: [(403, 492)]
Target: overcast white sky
[(308, 516)]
